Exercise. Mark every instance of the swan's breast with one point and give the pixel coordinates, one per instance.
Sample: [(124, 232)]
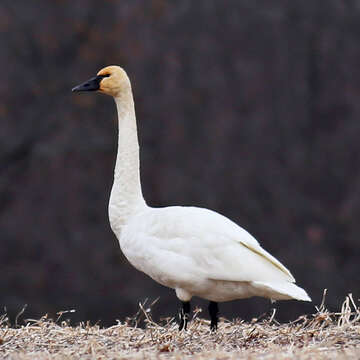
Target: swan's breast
[(149, 250)]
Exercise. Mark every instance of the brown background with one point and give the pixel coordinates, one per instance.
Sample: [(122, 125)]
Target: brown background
[(250, 108)]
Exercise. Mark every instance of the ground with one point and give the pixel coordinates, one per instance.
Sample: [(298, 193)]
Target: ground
[(323, 335)]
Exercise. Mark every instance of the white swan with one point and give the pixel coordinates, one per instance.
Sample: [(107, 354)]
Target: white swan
[(195, 251)]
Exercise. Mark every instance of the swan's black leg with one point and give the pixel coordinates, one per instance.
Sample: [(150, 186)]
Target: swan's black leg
[(184, 314), (213, 311)]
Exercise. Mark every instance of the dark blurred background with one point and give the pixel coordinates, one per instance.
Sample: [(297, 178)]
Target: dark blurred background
[(250, 108)]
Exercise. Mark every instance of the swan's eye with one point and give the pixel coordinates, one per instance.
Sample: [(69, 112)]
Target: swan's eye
[(104, 76)]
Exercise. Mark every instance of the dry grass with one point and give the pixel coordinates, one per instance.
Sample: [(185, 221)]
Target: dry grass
[(323, 335)]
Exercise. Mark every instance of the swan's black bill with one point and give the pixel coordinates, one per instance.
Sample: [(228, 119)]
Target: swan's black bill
[(92, 84)]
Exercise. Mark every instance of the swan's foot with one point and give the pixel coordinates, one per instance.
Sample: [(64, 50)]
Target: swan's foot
[(214, 312), (184, 314)]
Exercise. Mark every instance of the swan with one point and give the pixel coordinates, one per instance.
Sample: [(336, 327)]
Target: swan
[(195, 251)]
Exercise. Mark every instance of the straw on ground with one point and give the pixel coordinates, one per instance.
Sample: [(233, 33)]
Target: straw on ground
[(324, 335)]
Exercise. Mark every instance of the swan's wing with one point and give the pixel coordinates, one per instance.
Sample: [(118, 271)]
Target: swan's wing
[(221, 249), (257, 249)]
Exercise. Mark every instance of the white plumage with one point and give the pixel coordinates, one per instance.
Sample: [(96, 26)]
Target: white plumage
[(201, 253), (195, 251)]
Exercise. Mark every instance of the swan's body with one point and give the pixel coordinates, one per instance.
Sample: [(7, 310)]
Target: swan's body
[(195, 251), (199, 252)]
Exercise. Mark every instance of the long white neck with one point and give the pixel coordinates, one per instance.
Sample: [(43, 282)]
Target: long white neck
[(126, 196)]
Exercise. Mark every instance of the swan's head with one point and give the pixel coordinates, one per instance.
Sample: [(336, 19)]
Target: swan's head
[(110, 80)]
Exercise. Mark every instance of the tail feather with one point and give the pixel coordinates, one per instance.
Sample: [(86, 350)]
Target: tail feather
[(282, 290)]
